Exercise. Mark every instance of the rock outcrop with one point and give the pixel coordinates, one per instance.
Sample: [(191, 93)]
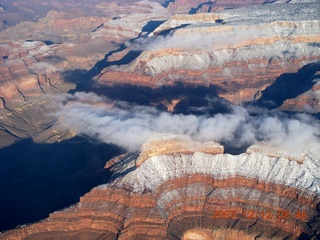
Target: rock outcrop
[(241, 58), (184, 6), (13, 13), (187, 195), (174, 188), (51, 57)]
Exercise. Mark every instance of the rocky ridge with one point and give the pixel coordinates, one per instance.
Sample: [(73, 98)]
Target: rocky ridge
[(38, 65), (175, 188), (236, 61), (241, 57), (196, 6), (178, 195)]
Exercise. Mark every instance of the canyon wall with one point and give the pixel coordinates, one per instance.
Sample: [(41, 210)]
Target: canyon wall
[(60, 52), (261, 56), (173, 195), (241, 56)]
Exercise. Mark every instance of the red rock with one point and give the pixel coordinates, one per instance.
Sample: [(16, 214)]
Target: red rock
[(181, 207)]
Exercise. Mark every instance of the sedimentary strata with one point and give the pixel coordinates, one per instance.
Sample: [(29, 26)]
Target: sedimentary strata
[(187, 195), (240, 54)]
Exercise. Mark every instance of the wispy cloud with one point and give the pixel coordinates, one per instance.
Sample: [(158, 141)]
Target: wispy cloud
[(129, 126)]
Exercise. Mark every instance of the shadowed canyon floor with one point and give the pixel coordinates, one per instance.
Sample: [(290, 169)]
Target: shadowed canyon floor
[(167, 119), (48, 177)]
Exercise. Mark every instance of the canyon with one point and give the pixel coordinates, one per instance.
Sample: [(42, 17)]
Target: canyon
[(174, 195), (192, 119)]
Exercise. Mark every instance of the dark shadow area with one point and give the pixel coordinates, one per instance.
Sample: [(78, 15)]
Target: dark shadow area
[(47, 42), (78, 76), (166, 4), (38, 179), (314, 44), (269, 1), (193, 99), (196, 100), (194, 10), (83, 78), (289, 85), (2, 6), (97, 28), (151, 26), (304, 236)]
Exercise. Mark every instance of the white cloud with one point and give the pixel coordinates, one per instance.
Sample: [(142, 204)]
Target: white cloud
[(129, 126), (205, 38)]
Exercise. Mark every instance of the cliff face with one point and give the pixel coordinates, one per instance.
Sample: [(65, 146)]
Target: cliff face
[(13, 13), (184, 196), (241, 57), (174, 188), (54, 55), (244, 60), (184, 6)]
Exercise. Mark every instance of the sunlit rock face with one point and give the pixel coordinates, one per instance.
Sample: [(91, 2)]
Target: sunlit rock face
[(254, 57), (55, 55), (194, 6), (174, 187), (241, 54), (194, 195)]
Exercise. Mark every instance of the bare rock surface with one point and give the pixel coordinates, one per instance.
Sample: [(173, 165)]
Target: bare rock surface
[(241, 57), (179, 196), (51, 57), (174, 187)]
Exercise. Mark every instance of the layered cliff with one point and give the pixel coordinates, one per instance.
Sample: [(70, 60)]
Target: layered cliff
[(183, 6), (243, 57), (56, 54), (174, 195), (174, 187), (241, 54)]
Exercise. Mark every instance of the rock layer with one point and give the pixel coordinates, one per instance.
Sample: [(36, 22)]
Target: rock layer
[(241, 58), (180, 196), (174, 188), (184, 6), (34, 64)]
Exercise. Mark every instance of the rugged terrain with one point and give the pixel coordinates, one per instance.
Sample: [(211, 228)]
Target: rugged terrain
[(267, 58), (243, 58), (35, 67), (194, 195), (162, 69)]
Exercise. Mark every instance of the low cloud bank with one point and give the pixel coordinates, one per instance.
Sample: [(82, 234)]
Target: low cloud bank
[(203, 39), (129, 126)]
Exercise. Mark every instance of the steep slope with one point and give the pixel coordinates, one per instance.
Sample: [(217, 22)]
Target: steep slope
[(241, 56), (308, 101), (173, 188), (181, 196), (35, 65), (184, 6), (13, 13)]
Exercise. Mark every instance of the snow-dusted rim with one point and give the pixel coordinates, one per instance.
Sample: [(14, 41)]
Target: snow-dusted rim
[(278, 170)]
